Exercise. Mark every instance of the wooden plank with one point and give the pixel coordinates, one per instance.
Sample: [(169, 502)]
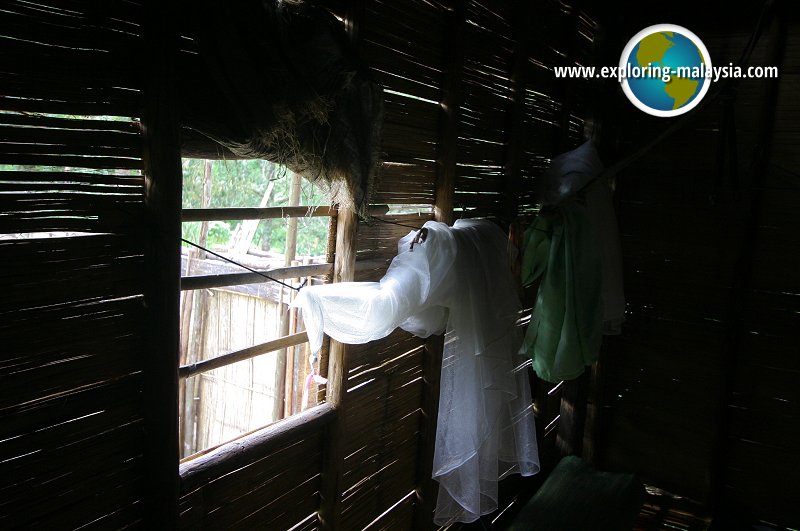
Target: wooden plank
[(222, 360), (215, 214), (217, 462), (344, 271), (238, 279), (280, 273)]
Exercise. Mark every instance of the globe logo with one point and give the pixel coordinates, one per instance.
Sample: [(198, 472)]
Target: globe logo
[(664, 70)]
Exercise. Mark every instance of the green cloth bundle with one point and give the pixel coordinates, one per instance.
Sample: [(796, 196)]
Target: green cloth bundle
[(565, 330), (577, 497)]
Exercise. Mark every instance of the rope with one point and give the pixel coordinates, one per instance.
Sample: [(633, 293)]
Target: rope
[(393, 223), (296, 288)]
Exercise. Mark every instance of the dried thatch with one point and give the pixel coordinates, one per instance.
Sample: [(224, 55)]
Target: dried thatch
[(280, 81)]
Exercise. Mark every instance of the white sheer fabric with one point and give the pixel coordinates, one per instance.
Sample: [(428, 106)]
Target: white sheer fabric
[(459, 279)]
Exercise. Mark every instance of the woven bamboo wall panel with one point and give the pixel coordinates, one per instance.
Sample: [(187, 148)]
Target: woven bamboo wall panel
[(72, 314), (381, 415), (486, 89), (403, 44), (765, 401), (63, 270), (276, 491), (74, 58), (78, 449), (705, 347)]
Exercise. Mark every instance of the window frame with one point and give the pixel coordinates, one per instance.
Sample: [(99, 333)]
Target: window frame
[(198, 282), (341, 269)]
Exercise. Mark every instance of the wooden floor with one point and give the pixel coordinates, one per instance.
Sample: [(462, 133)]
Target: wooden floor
[(664, 511)]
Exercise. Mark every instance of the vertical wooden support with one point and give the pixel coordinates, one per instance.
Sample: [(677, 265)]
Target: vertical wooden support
[(593, 433), (426, 491), (336, 432), (572, 415), (451, 112), (162, 168), (343, 271)]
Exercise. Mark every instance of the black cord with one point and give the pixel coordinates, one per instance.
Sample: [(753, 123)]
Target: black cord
[(245, 267), (394, 223)]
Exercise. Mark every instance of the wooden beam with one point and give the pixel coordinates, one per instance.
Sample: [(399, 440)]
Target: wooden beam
[(162, 199), (187, 371), (279, 273), (330, 510), (217, 214), (451, 113), (214, 462), (344, 271)]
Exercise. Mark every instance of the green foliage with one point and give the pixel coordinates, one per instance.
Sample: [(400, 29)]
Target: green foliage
[(242, 183)]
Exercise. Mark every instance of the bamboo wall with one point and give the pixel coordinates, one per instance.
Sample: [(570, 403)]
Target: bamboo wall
[(75, 447), (469, 56), (701, 395), (90, 323), (473, 115)]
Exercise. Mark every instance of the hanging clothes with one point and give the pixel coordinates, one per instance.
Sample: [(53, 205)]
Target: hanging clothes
[(457, 281), (573, 247)]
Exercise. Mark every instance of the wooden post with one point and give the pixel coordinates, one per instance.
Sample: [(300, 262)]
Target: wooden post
[(572, 416), (283, 387), (162, 170), (195, 305), (291, 223), (451, 113), (343, 271), (330, 511)]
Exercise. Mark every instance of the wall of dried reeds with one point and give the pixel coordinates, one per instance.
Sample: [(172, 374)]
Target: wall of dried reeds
[(90, 321), (467, 129), (75, 447), (701, 395)]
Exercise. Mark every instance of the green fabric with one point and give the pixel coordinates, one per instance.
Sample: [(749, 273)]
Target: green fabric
[(565, 330), (577, 497)]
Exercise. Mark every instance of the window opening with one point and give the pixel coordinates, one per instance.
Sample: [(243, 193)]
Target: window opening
[(244, 353)]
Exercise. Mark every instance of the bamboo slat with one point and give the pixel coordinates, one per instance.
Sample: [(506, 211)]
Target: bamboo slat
[(237, 279), (96, 162), (212, 214), (77, 139), (186, 371), (71, 107), (72, 441)]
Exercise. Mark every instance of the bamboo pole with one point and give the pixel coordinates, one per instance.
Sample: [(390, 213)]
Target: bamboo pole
[(214, 214), (187, 371), (330, 510)]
